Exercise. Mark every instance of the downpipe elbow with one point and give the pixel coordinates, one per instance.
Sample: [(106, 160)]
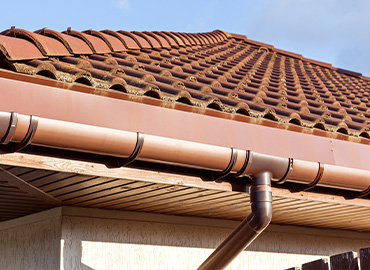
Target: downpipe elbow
[(261, 202), (261, 216)]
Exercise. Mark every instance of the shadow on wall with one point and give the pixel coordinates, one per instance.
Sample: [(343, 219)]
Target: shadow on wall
[(97, 243)]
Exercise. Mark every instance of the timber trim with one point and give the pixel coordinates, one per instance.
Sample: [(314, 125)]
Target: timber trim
[(23, 185)]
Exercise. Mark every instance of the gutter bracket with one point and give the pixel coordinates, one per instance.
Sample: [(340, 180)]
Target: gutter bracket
[(317, 179), (230, 166), (362, 193), (246, 160), (15, 147), (139, 145), (11, 128), (288, 172)]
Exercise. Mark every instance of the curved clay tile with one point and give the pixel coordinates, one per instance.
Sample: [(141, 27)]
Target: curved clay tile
[(162, 40), (177, 40), (221, 34), (47, 46), (342, 128), (36, 67), (242, 108), (190, 38), (195, 39), (184, 39), (203, 38), (143, 41), (73, 44), (215, 36), (169, 39), (364, 132), (19, 49), (149, 39), (211, 39), (97, 45), (123, 39), (215, 104), (270, 114), (113, 42), (199, 39), (185, 100), (152, 90), (128, 39)]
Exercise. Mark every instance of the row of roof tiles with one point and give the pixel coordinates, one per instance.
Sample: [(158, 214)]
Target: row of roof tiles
[(216, 70), (49, 43)]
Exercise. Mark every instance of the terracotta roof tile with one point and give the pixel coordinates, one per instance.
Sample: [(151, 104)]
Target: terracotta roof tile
[(126, 37), (47, 46), (96, 44), (169, 39), (162, 41), (176, 38), (73, 44), (143, 42), (153, 41), (210, 71), (114, 44), (13, 49)]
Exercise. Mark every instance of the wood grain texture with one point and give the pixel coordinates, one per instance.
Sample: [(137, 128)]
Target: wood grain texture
[(89, 184)]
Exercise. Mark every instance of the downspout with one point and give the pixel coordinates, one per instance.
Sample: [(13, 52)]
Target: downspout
[(249, 229)]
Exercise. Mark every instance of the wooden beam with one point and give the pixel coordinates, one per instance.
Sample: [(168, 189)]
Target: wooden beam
[(24, 186), (99, 169), (158, 177)]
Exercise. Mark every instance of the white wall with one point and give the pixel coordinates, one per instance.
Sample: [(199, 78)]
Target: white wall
[(31, 244), (73, 238), (127, 241)]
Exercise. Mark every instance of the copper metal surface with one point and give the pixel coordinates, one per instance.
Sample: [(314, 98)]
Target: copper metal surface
[(99, 140), (179, 124), (249, 229)]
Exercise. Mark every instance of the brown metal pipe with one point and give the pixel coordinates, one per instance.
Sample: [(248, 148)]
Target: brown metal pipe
[(249, 229), (99, 140)]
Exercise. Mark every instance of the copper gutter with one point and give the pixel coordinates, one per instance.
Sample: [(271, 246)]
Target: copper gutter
[(15, 128), (17, 131)]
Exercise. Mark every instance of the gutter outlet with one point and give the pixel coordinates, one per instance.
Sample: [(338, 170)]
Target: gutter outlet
[(249, 229)]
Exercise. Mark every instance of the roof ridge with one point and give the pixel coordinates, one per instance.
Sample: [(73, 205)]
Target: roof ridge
[(51, 43)]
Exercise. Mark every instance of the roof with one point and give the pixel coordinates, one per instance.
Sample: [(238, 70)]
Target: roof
[(219, 71), (194, 76)]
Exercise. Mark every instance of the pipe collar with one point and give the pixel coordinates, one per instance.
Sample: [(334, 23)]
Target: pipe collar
[(277, 166)]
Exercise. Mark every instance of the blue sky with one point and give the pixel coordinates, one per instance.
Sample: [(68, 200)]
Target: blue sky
[(333, 31)]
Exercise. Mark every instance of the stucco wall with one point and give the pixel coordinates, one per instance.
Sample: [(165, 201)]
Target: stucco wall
[(183, 243), (30, 244), (91, 239)]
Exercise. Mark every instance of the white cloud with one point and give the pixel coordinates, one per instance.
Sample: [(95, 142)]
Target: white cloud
[(123, 4), (333, 31)]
